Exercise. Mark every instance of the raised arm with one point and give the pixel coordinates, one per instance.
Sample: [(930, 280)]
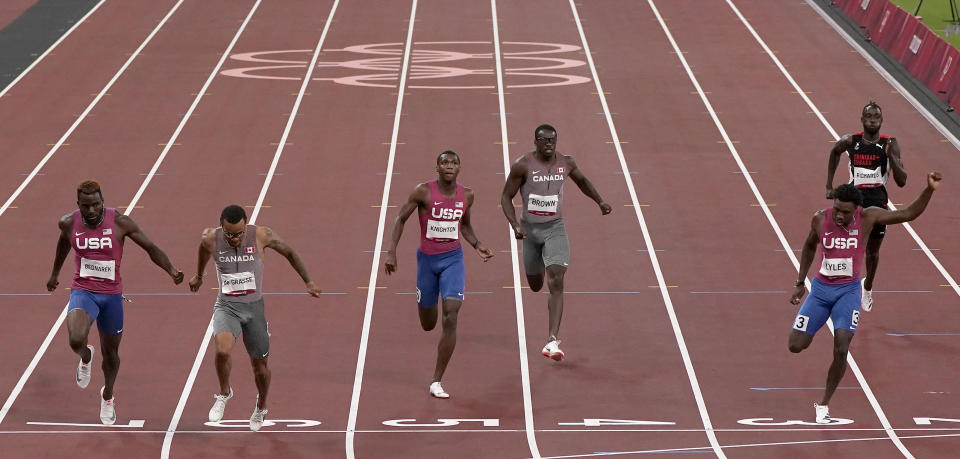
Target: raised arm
[(518, 171), (468, 234), (806, 256), (63, 248), (880, 216), (838, 148), (417, 197), (132, 230), (208, 244), (266, 237), (586, 186), (896, 163)]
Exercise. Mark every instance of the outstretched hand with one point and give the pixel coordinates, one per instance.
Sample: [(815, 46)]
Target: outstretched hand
[(933, 179), (519, 232), (390, 263), (484, 252), (830, 194), (177, 276), (605, 208), (313, 290), (195, 283), (798, 293)]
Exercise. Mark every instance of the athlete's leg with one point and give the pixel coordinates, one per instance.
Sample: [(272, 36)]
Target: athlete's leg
[(533, 258), (223, 342), (841, 344), (261, 376), (871, 260), (428, 290), (110, 348), (799, 341), (448, 339), (78, 328), (555, 275)]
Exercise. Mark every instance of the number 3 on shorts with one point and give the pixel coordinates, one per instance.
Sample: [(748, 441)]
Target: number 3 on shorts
[(855, 320), (800, 323)]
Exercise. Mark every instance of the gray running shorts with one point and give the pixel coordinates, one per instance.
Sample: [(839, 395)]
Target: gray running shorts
[(248, 318), (546, 244)]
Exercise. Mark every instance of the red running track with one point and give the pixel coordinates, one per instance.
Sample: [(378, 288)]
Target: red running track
[(725, 274)]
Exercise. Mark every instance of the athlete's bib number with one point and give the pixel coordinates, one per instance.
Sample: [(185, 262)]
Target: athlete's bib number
[(832, 267), (443, 229), (98, 269), (864, 176), (543, 205), (237, 283), (801, 322)]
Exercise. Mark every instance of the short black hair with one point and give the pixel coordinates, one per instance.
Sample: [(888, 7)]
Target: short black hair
[(848, 193), (447, 152), (872, 104), (543, 127), (233, 214)]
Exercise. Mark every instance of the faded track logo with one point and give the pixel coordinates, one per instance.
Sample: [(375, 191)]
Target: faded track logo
[(433, 65)]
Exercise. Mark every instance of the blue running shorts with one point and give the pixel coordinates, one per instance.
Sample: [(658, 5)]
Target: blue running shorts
[(441, 274), (841, 302), (106, 309)]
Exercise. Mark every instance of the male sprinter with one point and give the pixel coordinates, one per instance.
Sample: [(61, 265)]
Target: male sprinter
[(96, 234), (539, 177), (238, 248), (872, 157), (443, 206), (835, 291)]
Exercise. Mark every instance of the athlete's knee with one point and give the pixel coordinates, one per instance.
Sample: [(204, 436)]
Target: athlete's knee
[(261, 370), (535, 282), (77, 342), (428, 318), (798, 342), (450, 321), (555, 281)]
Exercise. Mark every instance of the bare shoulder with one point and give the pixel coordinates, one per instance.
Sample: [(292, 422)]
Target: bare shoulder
[(818, 217), (124, 221), (468, 193), (66, 222)]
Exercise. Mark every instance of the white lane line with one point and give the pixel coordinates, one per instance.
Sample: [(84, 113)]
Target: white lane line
[(375, 266), (50, 49), (198, 360), (920, 108), (517, 296), (855, 369), (648, 239), (63, 314), (745, 445), (86, 111), (234, 430)]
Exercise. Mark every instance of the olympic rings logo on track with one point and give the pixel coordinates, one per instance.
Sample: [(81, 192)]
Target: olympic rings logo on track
[(433, 65)]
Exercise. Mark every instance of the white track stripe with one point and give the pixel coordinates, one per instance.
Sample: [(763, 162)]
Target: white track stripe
[(648, 240), (198, 360), (518, 298), (63, 314), (50, 49), (86, 112), (855, 369), (375, 265), (920, 108)]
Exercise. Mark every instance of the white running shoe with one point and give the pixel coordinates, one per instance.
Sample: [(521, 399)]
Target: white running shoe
[(866, 299), (552, 350), (436, 390), (256, 419), (823, 413), (83, 370), (108, 415), (219, 405)]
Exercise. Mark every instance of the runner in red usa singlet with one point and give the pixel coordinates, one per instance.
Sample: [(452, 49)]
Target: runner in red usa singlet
[(443, 208), (839, 232), (96, 235)]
